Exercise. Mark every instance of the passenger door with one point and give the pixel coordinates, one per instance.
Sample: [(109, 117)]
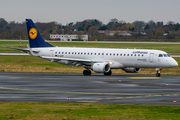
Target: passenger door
[(51, 53), (151, 57)]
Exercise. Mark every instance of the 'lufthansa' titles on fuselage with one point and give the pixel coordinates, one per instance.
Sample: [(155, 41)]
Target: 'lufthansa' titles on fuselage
[(140, 52)]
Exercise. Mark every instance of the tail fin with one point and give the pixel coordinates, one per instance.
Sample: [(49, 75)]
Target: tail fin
[(35, 38)]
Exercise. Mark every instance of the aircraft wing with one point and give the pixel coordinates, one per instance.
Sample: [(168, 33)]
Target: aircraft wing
[(27, 50), (56, 59)]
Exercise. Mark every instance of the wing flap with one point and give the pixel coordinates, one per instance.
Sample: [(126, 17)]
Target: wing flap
[(69, 59)]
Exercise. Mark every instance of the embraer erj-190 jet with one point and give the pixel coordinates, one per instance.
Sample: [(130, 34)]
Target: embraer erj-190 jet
[(99, 60)]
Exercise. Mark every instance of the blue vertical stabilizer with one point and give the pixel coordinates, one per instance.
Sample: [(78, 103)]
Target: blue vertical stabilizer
[(35, 38)]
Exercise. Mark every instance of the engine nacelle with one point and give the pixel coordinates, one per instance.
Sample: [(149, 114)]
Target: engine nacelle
[(131, 70), (100, 67)]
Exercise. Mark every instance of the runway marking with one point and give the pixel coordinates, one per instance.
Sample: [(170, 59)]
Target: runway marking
[(68, 92), (148, 95), (23, 91), (119, 97), (167, 95), (175, 94), (99, 99), (144, 77), (157, 95)]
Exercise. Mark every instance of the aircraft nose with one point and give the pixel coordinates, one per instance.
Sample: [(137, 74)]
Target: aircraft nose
[(173, 63)]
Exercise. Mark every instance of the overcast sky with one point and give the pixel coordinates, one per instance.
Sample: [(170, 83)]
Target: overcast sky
[(66, 11)]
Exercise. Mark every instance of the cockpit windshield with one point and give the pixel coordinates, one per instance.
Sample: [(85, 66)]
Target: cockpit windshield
[(160, 55), (165, 55)]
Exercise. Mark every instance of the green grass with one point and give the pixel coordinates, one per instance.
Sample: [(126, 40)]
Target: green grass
[(85, 111), (169, 48)]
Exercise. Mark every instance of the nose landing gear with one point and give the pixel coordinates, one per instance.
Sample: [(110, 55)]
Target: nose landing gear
[(158, 74)]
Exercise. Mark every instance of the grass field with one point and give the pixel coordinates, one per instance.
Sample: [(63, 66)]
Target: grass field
[(85, 111), (169, 48)]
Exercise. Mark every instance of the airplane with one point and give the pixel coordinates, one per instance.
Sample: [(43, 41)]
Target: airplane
[(99, 60)]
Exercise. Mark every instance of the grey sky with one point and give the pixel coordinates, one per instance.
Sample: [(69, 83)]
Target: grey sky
[(65, 11)]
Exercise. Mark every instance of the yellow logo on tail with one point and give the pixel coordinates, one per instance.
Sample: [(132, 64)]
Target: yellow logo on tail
[(33, 33)]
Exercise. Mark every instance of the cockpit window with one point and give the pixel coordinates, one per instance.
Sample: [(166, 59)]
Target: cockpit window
[(166, 55), (160, 55)]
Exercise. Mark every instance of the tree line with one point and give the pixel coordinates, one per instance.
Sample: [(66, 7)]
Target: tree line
[(15, 30)]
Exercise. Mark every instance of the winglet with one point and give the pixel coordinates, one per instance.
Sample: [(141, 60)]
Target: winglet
[(35, 38)]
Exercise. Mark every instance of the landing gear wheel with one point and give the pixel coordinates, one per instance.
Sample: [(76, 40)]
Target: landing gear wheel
[(158, 75), (86, 72), (108, 73)]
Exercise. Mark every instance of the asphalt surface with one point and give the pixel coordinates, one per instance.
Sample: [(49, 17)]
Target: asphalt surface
[(97, 88)]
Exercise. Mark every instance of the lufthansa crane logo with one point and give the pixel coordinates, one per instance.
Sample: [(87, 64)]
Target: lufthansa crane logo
[(33, 33)]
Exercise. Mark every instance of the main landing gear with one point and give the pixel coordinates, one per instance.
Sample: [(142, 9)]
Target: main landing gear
[(86, 72), (158, 74)]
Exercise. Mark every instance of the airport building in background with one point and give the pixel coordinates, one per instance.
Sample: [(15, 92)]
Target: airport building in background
[(68, 37)]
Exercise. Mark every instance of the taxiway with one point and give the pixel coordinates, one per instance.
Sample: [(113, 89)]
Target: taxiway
[(97, 88)]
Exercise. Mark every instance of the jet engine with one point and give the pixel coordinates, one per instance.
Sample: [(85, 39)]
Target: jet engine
[(100, 67), (131, 70)]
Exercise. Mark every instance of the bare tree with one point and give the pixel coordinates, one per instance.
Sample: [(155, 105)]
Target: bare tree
[(139, 25)]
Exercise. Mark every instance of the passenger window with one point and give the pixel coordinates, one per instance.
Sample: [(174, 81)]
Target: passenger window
[(124, 54), (72, 53), (106, 53), (127, 54), (65, 52), (99, 54), (120, 54), (160, 55), (69, 53), (94, 53), (131, 54), (91, 53), (134, 54), (62, 52), (55, 52), (110, 54), (117, 54), (139, 55), (102, 53)]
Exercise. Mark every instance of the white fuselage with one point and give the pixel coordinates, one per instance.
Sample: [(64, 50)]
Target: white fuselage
[(119, 58)]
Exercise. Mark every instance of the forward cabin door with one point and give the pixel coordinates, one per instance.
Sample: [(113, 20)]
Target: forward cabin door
[(151, 57), (51, 53)]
